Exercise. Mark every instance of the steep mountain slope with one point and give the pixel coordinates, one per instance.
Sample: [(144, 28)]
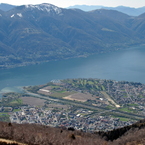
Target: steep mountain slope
[(114, 21), (36, 33), (138, 25)]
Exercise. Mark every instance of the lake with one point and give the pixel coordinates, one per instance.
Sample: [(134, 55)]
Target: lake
[(122, 65)]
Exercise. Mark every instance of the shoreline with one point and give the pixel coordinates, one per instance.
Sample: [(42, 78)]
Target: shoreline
[(7, 66)]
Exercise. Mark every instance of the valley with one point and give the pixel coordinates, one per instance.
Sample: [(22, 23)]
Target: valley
[(69, 76)]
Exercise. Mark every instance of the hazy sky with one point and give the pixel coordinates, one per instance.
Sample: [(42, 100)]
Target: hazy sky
[(66, 3)]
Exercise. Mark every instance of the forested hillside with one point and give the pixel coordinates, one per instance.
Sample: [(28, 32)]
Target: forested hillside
[(44, 135), (37, 33)]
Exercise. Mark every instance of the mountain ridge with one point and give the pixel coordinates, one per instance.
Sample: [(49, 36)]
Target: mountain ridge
[(6, 7), (124, 9)]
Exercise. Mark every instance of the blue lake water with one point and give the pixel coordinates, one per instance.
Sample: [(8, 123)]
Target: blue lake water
[(122, 65)]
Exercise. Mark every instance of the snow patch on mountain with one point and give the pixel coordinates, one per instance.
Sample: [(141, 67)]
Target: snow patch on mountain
[(19, 14), (12, 15), (46, 7)]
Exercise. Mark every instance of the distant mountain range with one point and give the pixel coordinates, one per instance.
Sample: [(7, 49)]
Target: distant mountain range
[(6, 7), (38, 33), (127, 10)]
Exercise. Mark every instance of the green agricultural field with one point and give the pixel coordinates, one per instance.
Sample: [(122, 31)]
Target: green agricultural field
[(133, 105), (4, 117), (17, 101), (90, 82), (16, 110), (121, 118), (126, 110)]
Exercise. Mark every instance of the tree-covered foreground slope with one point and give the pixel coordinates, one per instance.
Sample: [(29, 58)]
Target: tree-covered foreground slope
[(38, 33), (44, 135)]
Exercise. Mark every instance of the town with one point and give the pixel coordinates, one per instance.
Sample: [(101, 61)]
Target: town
[(81, 119), (84, 104)]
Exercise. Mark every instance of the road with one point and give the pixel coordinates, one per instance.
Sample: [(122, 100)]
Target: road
[(96, 109)]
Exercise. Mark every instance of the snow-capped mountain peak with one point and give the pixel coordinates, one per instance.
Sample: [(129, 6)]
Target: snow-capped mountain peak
[(46, 8)]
